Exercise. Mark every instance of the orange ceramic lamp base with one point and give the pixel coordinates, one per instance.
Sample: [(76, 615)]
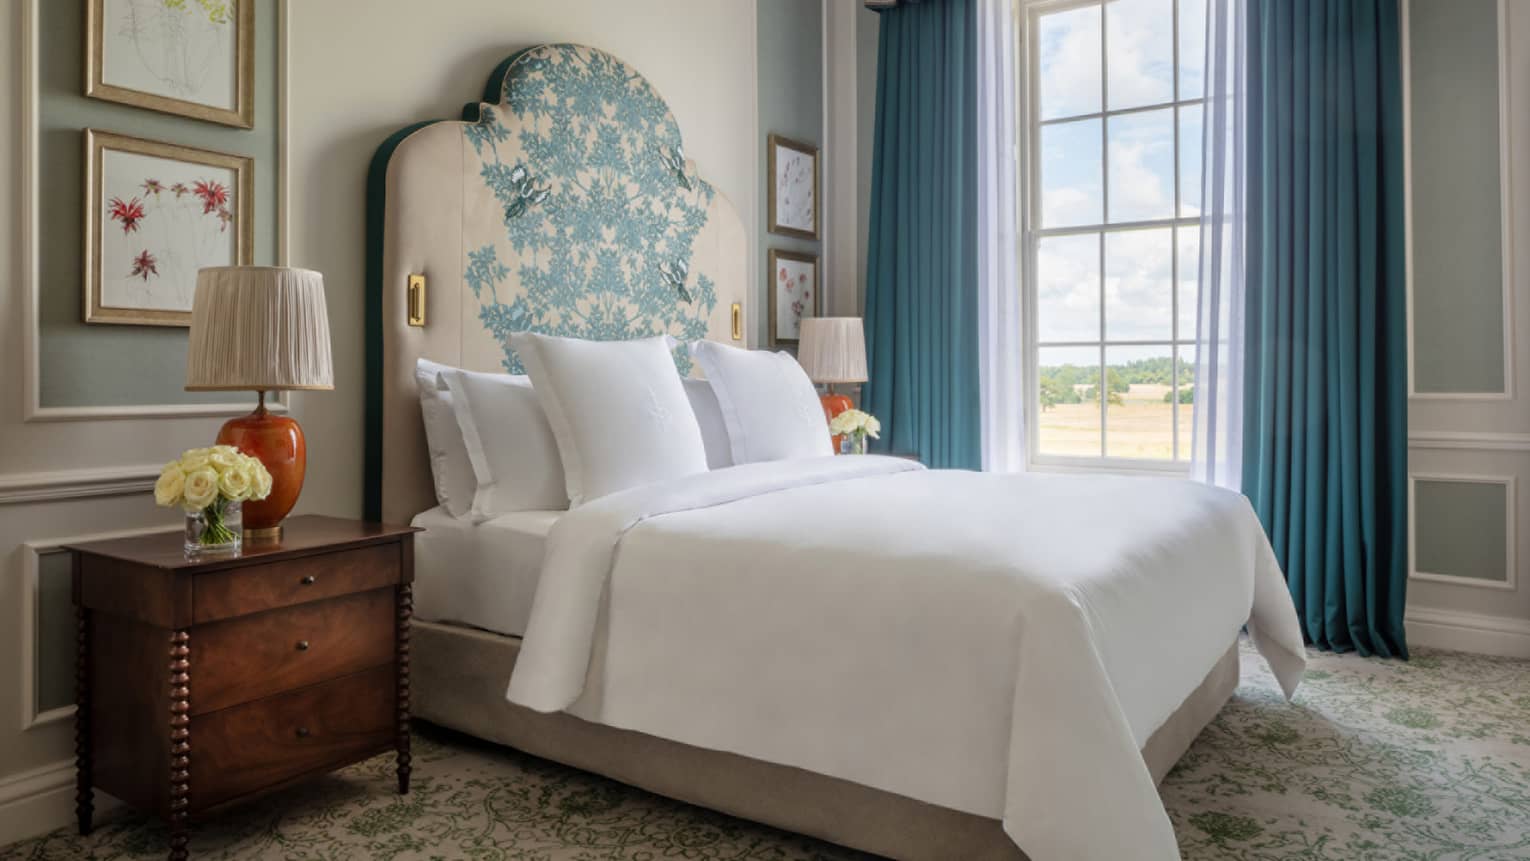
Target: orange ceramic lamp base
[(277, 442), (833, 405)]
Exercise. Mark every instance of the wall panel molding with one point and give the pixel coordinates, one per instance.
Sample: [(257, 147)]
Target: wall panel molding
[(60, 485), (1506, 211), (1511, 531), (1469, 441), (31, 571), (32, 409)]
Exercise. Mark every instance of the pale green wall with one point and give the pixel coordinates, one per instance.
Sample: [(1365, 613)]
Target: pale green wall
[(790, 40), (1462, 529), (1457, 227), (103, 365)]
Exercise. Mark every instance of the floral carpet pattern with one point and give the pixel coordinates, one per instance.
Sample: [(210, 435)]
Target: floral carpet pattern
[(1374, 760)]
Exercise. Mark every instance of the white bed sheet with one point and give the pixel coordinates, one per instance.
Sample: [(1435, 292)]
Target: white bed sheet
[(484, 574), (997, 644)]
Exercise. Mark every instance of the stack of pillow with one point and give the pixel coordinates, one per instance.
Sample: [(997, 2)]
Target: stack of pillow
[(592, 418)]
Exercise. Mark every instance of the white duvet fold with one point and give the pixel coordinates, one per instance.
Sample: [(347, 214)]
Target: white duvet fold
[(997, 644)]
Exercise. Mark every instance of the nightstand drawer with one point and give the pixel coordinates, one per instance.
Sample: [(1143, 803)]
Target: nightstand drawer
[(239, 660), (241, 591), (258, 745)]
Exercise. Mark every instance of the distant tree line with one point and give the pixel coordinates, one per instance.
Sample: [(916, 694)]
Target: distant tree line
[(1077, 384)]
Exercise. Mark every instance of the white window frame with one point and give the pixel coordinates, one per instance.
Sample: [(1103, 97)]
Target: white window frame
[(1031, 236)]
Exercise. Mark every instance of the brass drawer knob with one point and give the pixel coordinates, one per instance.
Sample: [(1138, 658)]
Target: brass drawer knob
[(307, 580), (302, 732), (302, 645)]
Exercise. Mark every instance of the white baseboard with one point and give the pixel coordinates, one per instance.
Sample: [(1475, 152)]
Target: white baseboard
[(1469, 632), (38, 801)]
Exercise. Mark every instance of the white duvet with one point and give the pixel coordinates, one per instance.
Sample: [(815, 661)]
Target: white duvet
[(997, 644)]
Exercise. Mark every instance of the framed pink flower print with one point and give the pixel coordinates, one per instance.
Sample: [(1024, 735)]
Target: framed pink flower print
[(792, 188), (793, 293), (155, 214)]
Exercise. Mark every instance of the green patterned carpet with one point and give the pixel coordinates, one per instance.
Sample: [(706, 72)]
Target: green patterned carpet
[(1374, 760)]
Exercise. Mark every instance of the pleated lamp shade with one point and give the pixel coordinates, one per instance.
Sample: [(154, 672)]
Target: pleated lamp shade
[(259, 327), (833, 349)]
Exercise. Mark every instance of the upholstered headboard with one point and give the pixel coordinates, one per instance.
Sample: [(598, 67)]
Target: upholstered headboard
[(562, 204)]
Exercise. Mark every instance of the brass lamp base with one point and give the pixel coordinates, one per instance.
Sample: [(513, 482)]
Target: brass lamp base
[(269, 534)]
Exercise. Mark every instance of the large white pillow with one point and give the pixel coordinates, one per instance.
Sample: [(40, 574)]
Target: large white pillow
[(450, 468), (714, 431), (617, 409), (768, 403), (509, 443)]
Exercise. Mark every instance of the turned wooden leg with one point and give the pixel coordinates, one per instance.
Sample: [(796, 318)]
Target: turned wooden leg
[(401, 646), (84, 797), (180, 744)]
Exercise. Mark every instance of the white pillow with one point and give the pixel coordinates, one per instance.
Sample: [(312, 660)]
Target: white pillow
[(450, 468), (617, 409), (714, 432), (768, 403), (509, 443)]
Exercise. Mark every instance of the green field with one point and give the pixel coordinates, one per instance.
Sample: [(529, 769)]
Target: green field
[(1141, 426)]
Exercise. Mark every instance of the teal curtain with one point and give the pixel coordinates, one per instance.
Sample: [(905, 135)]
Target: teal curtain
[(1325, 440), (922, 264)]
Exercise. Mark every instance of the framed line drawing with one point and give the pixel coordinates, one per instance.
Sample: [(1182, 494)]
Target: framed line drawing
[(793, 293), (792, 187), (155, 213), (192, 58)]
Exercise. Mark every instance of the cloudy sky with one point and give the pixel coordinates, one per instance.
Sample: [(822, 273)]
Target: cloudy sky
[(1138, 273)]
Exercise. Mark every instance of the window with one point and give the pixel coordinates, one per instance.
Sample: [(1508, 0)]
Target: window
[(1111, 253)]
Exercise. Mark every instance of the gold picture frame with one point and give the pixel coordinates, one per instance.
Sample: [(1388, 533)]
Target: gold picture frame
[(197, 213), (786, 215), (786, 270), (241, 115)]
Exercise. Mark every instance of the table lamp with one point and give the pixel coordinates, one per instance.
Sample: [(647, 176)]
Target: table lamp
[(262, 329), (833, 350)]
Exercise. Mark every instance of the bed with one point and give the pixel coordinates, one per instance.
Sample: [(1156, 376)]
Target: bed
[(978, 682)]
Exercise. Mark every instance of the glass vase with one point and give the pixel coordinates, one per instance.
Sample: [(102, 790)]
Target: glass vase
[(852, 443), (217, 530)]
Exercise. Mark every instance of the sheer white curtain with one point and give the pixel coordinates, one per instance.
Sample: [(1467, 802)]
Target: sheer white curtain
[(1217, 450), (999, 330)]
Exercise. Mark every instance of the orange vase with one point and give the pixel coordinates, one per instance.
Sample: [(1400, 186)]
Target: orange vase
[(277, 442), (833, 405)]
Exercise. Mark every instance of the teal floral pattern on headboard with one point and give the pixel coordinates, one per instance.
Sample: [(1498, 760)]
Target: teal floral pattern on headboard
[(600, 209)]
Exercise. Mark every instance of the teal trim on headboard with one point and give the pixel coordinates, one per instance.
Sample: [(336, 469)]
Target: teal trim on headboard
[(496, 84), (377, 189)]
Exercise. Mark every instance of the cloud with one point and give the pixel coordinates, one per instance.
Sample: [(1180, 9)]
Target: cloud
[(1068, 288), (1069, 49), (1142, 166), (1139, 36), (1138, 285)]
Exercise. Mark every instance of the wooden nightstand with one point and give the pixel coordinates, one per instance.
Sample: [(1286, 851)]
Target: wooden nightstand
[(201, 683)]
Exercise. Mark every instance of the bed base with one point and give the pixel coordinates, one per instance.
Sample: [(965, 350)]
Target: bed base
[(459, 682)]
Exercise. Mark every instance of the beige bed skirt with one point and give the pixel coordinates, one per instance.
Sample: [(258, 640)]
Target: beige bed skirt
[(459, 678)]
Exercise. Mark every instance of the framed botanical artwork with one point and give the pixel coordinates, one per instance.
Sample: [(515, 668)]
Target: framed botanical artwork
[(793, 293), (793, 187), (155, 213), (193, 58)]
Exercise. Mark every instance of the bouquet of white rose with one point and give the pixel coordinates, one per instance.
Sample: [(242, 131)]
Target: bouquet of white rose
[(208, 482), (856, 426)]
